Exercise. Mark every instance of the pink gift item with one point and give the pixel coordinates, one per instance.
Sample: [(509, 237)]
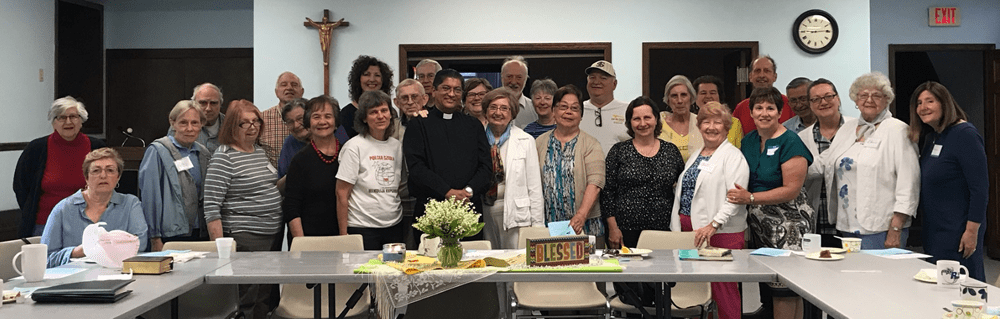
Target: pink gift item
[(109, 249)]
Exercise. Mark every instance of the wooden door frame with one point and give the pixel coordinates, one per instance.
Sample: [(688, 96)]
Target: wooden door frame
[(647, 46), (990, 120), (527, 48)]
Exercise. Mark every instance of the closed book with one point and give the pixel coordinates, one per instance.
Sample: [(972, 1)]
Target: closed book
[(95, 291), (148, 265)]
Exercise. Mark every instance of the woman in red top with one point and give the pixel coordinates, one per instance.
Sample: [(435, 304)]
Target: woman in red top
[(49, 167)]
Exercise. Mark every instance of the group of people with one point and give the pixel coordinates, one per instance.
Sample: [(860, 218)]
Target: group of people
[(778, 165)]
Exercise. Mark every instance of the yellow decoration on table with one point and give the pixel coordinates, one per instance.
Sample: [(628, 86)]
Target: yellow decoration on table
[(625, 250)]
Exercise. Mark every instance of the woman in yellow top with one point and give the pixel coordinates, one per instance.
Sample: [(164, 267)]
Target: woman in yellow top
[(708, 88), (678, 121)]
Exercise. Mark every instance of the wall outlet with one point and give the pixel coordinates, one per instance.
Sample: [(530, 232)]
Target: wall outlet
[(41, 75)]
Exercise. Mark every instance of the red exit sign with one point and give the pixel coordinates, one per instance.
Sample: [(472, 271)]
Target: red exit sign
[(944, 17)]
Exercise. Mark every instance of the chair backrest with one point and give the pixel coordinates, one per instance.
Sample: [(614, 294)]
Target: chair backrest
[(526, 233), (7, 251), (658, 239), (35, 240), (998, 282), (328, 243), (208, 246), (477, 245)]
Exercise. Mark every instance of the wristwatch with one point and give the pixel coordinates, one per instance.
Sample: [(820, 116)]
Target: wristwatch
[(716, 224), (894, 228), (751, 198), (468, 189)]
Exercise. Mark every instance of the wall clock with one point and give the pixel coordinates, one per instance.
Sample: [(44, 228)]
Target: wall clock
[(815, 31)]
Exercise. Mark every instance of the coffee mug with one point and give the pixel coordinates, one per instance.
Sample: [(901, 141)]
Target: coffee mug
[(973, 290), (967, 309), (850, 244), (33, 262), (949, 272), (811, 243), (429, 246)]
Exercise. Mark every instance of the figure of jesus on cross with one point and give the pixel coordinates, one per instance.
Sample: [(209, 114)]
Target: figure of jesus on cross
[(325, 28)]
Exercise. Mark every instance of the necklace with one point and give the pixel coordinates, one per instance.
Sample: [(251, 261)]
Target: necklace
[(322, 156)]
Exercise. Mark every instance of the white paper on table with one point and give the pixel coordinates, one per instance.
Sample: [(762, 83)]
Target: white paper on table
[(907, 256), (56, 273), (117, 276)]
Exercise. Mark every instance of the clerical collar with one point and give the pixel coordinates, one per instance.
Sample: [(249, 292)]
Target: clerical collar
[(446, 116)]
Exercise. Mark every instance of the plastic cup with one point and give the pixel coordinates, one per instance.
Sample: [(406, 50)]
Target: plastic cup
[(225, 246)]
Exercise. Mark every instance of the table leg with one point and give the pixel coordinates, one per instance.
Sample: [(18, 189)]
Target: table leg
[(174, 307), (318, 301), (662, 300), (331, 305)]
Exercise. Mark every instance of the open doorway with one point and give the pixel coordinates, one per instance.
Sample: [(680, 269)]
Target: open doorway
[(969, 71), (726, 60), (564, 63)]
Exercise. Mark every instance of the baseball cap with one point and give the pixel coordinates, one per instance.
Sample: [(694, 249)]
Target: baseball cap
[(602, 65)]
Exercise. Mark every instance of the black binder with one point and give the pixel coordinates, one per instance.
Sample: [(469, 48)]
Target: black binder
[(96, 291)]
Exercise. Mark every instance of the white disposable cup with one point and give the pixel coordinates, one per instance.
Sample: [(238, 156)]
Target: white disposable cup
[(1, 292), (33, 260), (811, 243), (949, 272), (431, 246), (851, 244), (225, 246)]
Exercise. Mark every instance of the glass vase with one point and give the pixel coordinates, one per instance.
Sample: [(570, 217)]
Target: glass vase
[(449, 252)]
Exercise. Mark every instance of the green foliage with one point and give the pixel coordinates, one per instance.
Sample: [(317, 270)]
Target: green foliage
[(449, 219)]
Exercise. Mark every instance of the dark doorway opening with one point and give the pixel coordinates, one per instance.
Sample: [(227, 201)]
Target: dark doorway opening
[(726, 60), (564, 63), (79, 48), (965, 69)]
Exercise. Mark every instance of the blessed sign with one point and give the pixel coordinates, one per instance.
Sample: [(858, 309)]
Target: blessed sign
[(557, 251)]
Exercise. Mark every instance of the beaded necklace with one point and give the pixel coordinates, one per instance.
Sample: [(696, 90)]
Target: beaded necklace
[(322, 156)]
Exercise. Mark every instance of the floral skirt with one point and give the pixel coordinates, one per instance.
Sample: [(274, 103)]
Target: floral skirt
[(782, 225)]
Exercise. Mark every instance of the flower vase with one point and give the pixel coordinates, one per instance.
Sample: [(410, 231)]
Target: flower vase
[(449, 252)]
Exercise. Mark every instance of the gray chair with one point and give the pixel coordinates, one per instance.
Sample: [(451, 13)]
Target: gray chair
[(7, 251), (297, 300), (477, 300), (557, 296), (205, 301), (692, 299)]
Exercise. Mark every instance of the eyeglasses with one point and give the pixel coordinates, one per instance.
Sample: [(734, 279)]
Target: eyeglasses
[(479, 94), (864, 96), (494, 108), (409, 98), (292, 122), (246, 125), (96, 171), (445, 89), (597, 117), (828, 98), (800, 100), (64, 118)]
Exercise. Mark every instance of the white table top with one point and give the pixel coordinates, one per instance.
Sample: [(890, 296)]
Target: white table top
[(337, 267), (890, 293), (148, 291)]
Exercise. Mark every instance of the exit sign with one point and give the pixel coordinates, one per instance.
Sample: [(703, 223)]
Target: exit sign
[(944, 17)]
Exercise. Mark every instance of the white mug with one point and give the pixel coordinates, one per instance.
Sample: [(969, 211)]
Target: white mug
[(973, 290), (949, 272), (429, 246), (811, 243), (33, 262)]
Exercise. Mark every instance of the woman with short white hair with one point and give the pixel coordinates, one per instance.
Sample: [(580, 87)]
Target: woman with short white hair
[(41, 180)]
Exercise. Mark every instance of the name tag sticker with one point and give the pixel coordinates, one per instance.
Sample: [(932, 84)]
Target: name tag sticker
[(936, 151), (771, 150), (271, 168), (705, 167), (872, 142), (183, 164)]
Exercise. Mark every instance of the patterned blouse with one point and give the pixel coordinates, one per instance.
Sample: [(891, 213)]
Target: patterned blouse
[(639, 190), (557, 186), (688, 183)]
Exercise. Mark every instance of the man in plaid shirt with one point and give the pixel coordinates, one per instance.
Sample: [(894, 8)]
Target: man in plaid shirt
[(288, 88)]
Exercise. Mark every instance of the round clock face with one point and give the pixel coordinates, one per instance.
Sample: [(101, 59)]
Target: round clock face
[(815, 31)]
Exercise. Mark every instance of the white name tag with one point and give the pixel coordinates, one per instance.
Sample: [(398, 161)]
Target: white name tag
[(705, 167), (936, 151), (872, 142), (183, 164), (771, 150), (271, 168)]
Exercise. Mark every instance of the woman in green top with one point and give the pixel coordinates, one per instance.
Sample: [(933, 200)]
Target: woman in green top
[(778, 213)]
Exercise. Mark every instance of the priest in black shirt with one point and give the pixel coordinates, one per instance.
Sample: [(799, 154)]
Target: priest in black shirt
[(446, 151)]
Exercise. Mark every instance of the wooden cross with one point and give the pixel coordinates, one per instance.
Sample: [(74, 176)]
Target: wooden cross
[(325, 28)]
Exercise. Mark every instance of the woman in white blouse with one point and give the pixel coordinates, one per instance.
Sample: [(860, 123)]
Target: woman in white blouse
[(872, 174), (700, 198), (514, 198)]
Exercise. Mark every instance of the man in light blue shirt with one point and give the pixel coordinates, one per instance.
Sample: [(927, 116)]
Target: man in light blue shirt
[(798, 99)]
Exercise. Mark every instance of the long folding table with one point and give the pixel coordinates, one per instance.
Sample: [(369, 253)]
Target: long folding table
[(330, 268)]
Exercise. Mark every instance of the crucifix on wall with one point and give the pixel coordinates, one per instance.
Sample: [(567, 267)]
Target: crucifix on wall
[(325, 28)]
